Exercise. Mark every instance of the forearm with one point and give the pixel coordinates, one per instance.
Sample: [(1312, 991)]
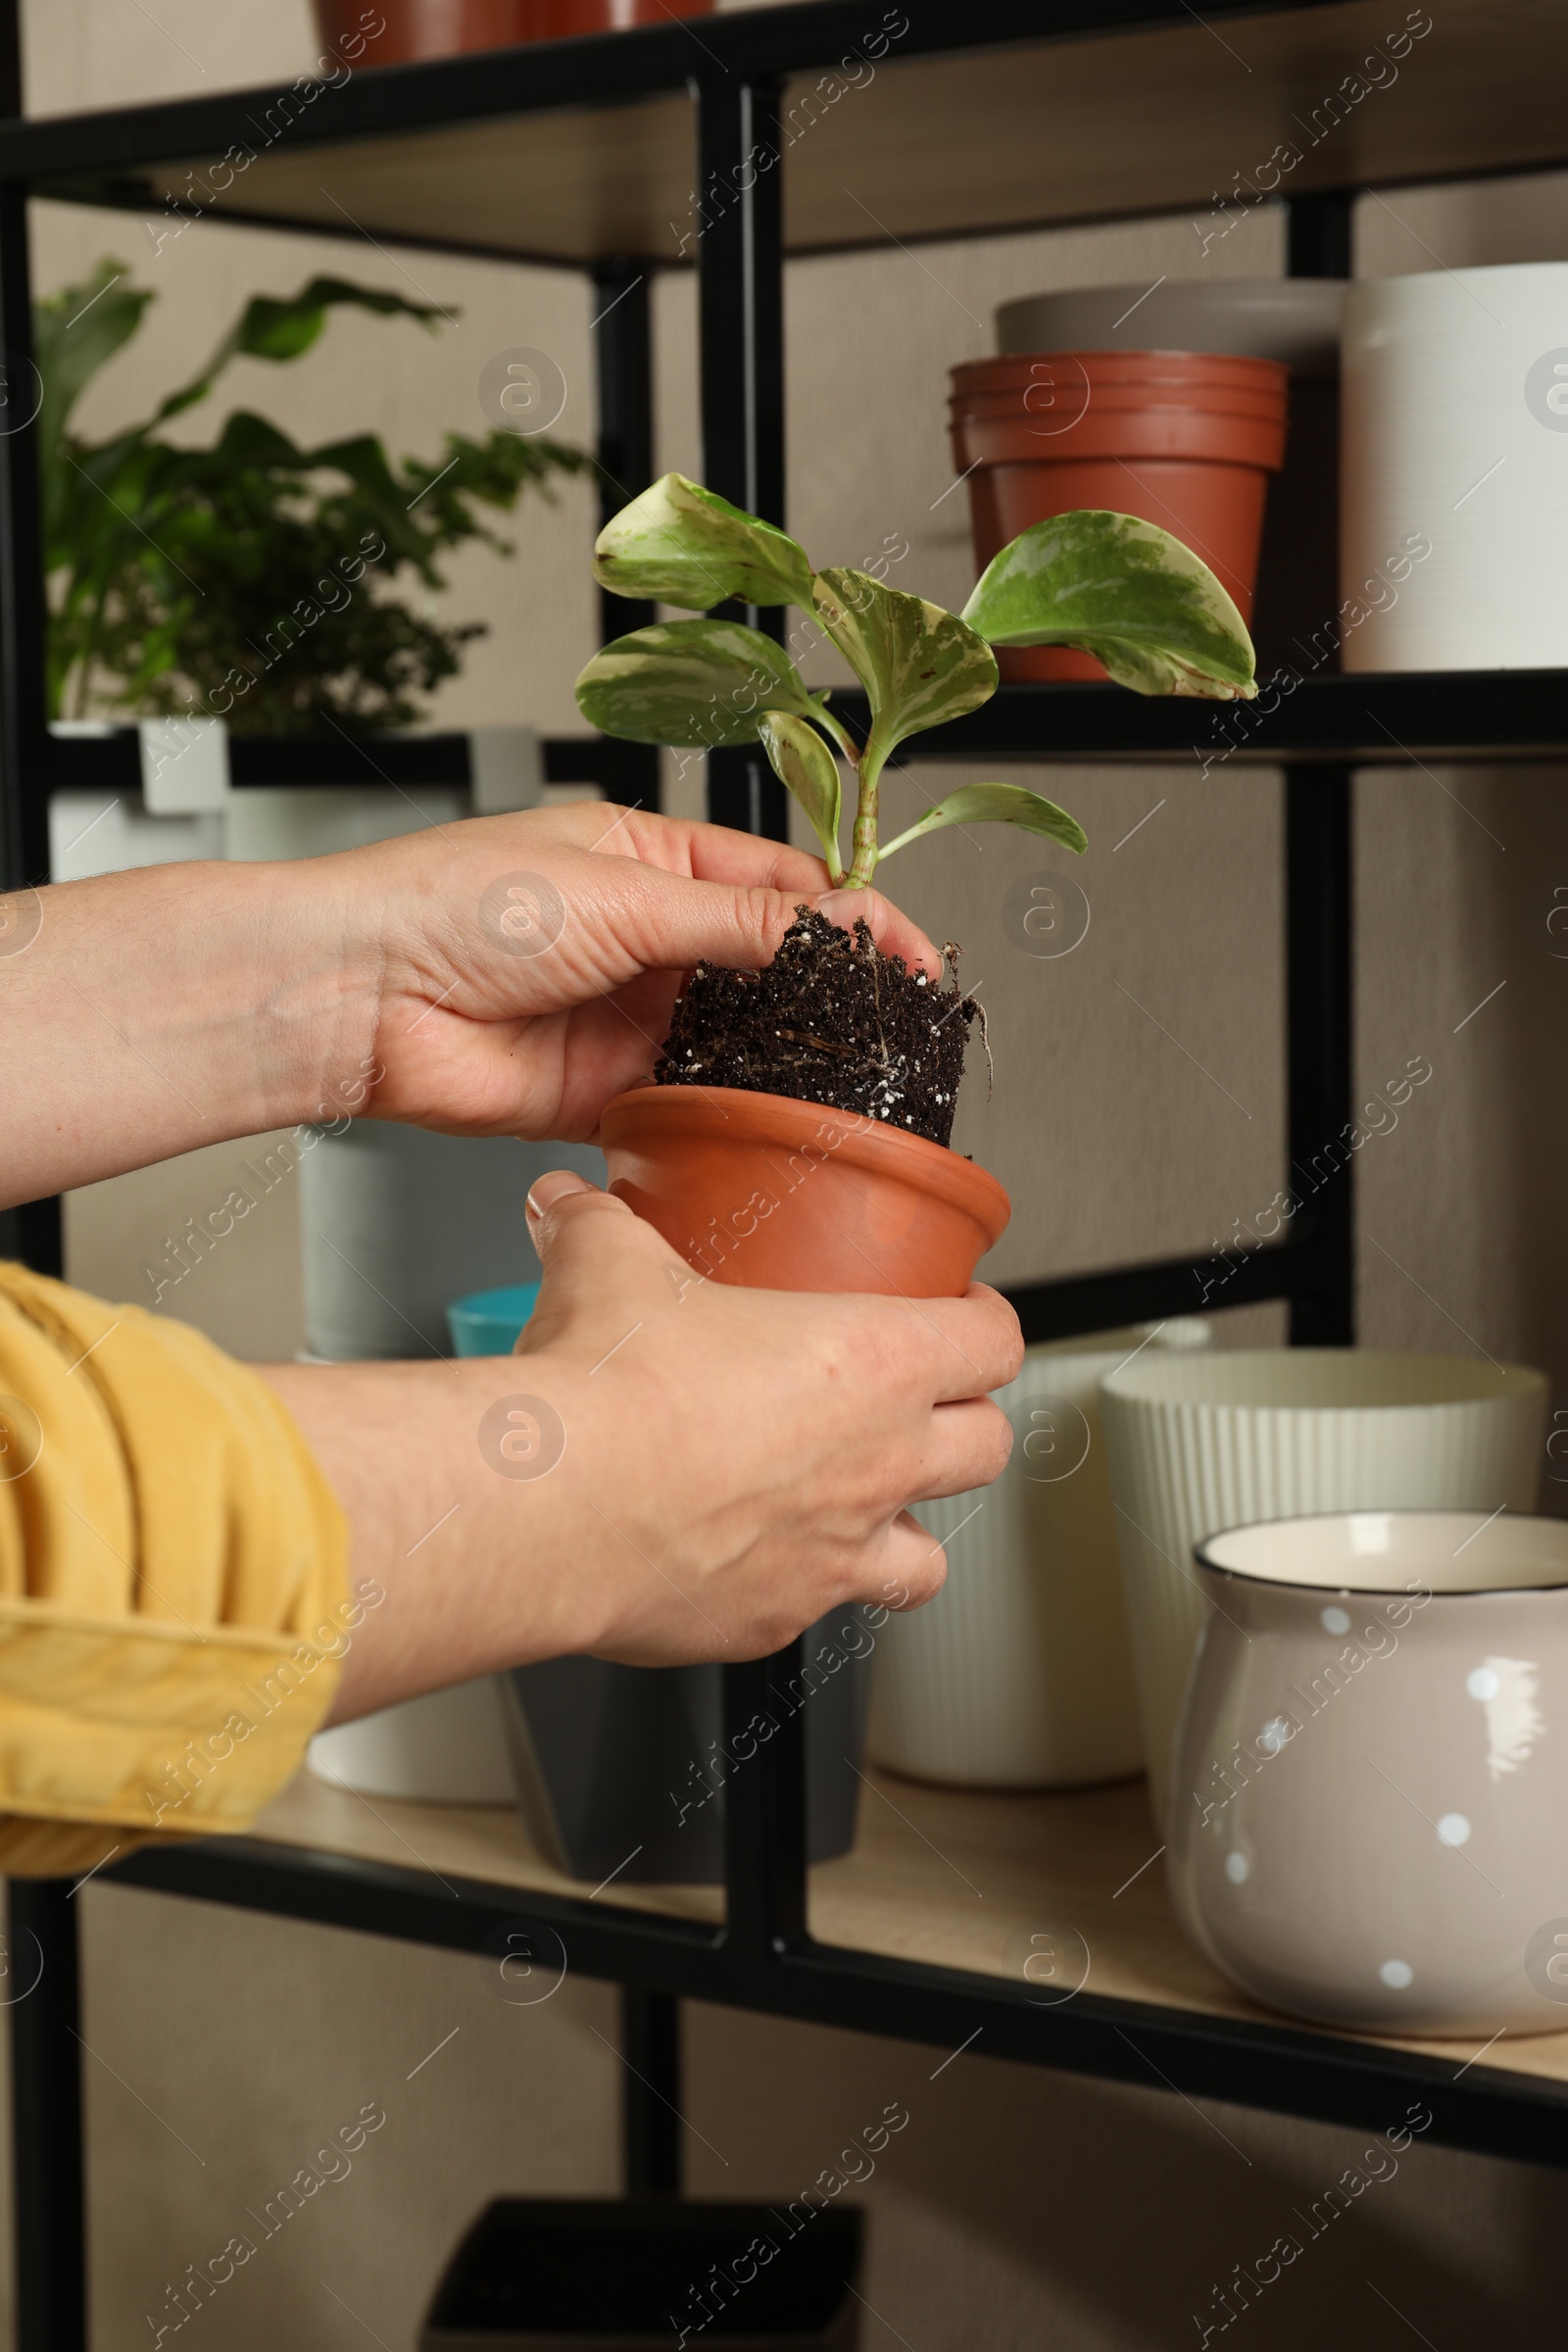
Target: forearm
[(479, 1571), (153, 1012)]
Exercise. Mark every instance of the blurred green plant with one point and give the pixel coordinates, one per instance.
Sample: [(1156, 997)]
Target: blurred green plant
[(249, 579)]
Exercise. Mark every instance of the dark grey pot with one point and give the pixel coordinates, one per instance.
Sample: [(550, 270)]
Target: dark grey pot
[(551, 2275), (623, 1768)]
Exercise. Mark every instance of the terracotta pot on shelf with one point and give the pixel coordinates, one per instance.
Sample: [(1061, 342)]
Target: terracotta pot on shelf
[(771, 1194), (1186, 440), (1293, 320), (427, 29)]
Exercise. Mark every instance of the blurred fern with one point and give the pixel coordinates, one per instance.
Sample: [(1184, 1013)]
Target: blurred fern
[(187, 578)]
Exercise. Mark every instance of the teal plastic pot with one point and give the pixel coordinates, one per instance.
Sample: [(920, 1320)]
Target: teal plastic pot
[(490, 1322)]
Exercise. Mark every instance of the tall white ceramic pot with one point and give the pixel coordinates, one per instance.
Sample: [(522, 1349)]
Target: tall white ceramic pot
[(1019, 1675), (1199, 1443), (1454, 476)]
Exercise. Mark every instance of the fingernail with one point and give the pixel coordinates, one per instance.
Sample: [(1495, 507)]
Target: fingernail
[(546, 1190), (841, 906)]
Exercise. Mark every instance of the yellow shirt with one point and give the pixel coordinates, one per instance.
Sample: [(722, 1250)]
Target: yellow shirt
[(173, 1590)]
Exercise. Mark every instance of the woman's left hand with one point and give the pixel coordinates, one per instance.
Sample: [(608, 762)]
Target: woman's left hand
[(528, 974), (505, 975)]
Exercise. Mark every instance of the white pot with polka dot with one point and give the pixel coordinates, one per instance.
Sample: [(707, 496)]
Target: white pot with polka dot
[(1018, 1674), (1198, 1443), (1368, 1819)]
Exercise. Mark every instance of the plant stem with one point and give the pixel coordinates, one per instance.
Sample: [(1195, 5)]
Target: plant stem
[(862, 862)]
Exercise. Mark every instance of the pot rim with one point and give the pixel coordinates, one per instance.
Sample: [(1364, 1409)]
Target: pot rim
[(1530, 1378), (1376, 1592), (787, 1121), (1188, 362)]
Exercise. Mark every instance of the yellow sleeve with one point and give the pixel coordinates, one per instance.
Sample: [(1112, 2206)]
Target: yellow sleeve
[(173, 1585)]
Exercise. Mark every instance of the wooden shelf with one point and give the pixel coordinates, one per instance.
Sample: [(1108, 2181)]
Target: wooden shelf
[(1057, 110), (937, 1877)]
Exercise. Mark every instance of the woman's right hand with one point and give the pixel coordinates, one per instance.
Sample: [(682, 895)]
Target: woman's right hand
[(670, 1470)]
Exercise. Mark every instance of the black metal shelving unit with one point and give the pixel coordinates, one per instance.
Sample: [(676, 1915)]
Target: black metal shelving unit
[(621, 156)]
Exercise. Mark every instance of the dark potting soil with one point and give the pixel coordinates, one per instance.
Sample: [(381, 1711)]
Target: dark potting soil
[(831, 1020)]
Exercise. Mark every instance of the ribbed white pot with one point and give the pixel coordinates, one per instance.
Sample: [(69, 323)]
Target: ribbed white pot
[(1198, 1443), (1019, 1675), (1454, 470)]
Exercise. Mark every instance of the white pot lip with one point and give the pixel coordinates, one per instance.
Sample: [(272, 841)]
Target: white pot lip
[(1380, 1592), (1519, 1380)]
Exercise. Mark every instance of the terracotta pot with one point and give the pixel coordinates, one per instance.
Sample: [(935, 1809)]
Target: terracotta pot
[(1183, 439), (425, 28), (774, 1194), (1295, 319)]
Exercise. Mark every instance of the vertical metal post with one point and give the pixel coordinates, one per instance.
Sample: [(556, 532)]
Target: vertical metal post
[(24, 733), (1319, 988), (49, 2192), (740, 265), (32, 1232), (740, 258), (649, 2044), (1319, 233), (1319, 918), (623, 359), (764, 1807)]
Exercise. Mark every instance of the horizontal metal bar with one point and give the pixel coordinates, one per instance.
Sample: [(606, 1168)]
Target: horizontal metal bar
[(546, 76), (112, 763), (1298, 1268), (1252, 2063), (1378, 718), (1362, 721)]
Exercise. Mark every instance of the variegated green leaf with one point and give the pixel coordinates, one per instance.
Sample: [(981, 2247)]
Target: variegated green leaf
[(918, 664), (696, 683), (680, 544), (802, 762), (1124, 591), (998, 803)]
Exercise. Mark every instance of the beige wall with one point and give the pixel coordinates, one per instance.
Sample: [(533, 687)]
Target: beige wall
[(1019, 2207)]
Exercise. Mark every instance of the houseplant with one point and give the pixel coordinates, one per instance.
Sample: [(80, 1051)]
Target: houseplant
[(797, 1136), (247, 579)]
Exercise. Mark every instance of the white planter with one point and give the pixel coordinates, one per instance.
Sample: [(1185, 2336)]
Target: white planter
[(1199, 1443), (1456, 439), (1018, 1674), (447, 1748)]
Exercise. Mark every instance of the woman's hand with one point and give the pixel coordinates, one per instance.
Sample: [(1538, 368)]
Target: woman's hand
[(528, 975), (669, 1470), (502, 976)]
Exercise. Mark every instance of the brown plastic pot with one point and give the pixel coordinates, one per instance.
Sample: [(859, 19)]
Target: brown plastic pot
[(427, 28), (774, 1194), (1184, 439)]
